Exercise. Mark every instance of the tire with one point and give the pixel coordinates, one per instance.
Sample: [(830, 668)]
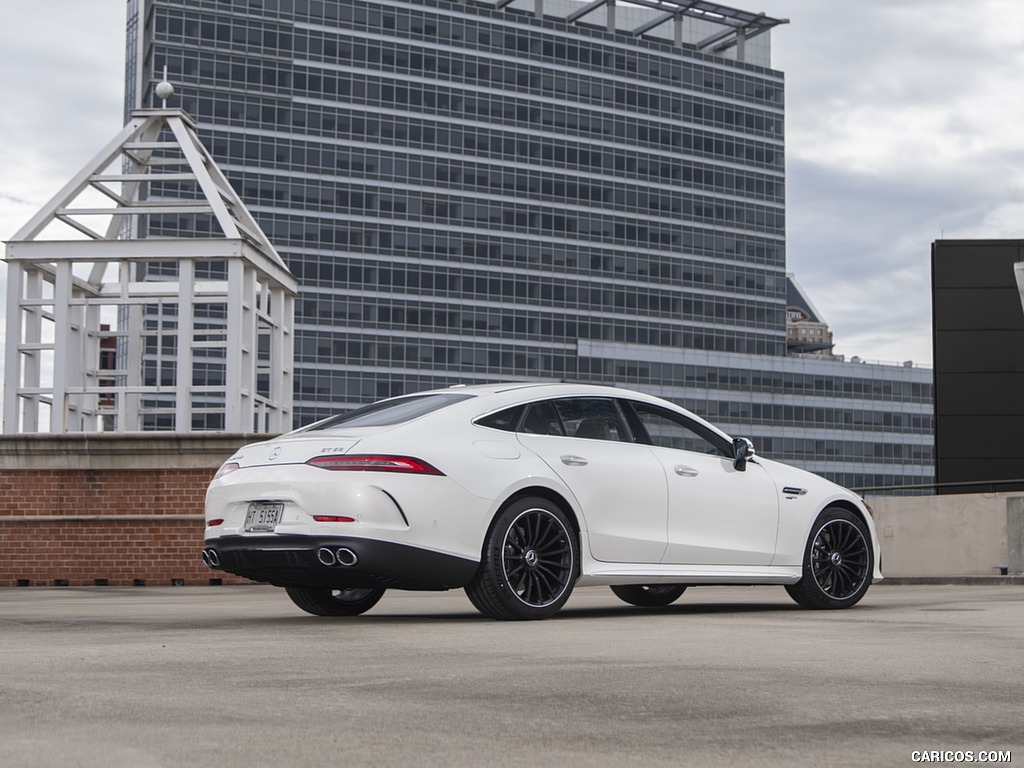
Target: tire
[(649, 594), (335, 602), (529, 562), (838, 562)]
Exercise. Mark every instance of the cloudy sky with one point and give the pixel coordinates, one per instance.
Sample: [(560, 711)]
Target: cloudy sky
[(905, 124)]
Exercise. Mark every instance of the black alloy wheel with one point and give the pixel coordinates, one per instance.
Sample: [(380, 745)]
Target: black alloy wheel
[(838, 562), (322, 601), (529, 562)]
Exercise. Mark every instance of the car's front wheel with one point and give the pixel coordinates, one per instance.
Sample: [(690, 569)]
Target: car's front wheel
[(838, 562), (335, 602), (649, 594), (529, 562)]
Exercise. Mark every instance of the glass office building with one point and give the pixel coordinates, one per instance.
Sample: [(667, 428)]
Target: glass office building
[(527, 190)]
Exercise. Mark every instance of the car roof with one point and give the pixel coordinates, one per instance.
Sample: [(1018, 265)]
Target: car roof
[(494, 397), (534, 389), (483, 399), (509, 393)]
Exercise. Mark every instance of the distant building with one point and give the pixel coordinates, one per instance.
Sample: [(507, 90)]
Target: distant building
[(528, 190), (978, 300), (807, 333)]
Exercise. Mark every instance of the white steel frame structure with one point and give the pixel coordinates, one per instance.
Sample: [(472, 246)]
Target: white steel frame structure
[(223, 304)]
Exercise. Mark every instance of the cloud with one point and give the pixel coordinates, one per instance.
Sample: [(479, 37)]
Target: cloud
[(902, 128), (62, 87)]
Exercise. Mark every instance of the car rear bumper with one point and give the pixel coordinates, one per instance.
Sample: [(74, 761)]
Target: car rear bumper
[(336, 562)]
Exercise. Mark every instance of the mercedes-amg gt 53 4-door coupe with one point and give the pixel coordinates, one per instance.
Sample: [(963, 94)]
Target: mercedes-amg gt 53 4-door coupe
[(519, 492)]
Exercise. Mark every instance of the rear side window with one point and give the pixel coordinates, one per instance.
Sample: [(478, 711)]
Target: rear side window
[(506, 420), (593, 418), (390, 412), (589, 418), (541, 419)]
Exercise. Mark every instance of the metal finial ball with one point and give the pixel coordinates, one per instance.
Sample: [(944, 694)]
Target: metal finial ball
[(164, 90)]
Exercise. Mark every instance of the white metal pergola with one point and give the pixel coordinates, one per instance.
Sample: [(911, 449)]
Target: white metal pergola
[(111, 328)]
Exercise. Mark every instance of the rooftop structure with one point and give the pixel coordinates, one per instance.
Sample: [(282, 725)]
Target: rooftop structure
[(707, 27), (807, 333), (112, 329)]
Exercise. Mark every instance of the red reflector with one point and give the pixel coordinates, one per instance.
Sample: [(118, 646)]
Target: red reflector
[(333, 519), (216, 521), (368, 463)]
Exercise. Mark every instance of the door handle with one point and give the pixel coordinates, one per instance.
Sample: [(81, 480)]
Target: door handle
[(684, 471), (571, 460)]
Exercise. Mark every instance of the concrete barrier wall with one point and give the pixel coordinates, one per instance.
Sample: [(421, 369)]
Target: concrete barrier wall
[(967, 535), (82, 510)]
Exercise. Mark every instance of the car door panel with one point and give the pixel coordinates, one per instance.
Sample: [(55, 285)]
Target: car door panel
[(621, 490), (617, 483), (717, 514)]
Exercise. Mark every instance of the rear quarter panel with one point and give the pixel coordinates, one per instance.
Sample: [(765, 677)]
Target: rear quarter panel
[(488, 464)]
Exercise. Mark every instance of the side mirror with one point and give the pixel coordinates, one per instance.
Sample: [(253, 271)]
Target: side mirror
[(742, 452)]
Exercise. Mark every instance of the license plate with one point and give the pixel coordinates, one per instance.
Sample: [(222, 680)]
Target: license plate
[(263, 517)]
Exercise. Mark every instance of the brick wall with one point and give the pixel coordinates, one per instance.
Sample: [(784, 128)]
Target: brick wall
[(112, 510)]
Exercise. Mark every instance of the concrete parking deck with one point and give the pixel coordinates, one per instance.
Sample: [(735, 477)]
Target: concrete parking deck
[(237, 676)]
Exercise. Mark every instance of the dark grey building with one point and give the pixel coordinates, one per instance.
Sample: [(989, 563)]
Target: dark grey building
[(540, 189), (979, 364)]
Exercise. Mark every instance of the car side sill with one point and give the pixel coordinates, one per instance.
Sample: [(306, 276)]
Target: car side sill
[(629, 573)]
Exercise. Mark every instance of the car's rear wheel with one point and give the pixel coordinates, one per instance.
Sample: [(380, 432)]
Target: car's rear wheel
[(335, 602), (838, 562), (649, 594), (529, 562)]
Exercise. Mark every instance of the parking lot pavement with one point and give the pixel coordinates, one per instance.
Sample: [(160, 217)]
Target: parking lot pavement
[(237, 676)]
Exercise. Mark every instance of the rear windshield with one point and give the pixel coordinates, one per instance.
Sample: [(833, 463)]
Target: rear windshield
[(390, 412)]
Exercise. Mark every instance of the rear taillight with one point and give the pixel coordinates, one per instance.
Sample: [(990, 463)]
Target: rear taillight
[(334, 519), (368, 463), (216, 521)]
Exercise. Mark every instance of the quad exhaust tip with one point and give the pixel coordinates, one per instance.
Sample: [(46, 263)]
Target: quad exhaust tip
[(346, 557), (210, 558), (326, 556), (342, 556)]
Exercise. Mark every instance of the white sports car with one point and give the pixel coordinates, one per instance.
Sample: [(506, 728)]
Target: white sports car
[(517, 493)]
